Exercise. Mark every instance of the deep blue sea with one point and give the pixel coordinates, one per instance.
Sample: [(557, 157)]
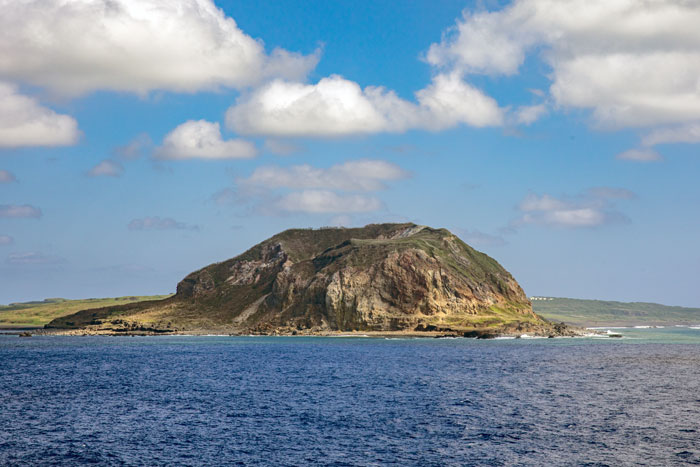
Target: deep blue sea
[(176, 400)]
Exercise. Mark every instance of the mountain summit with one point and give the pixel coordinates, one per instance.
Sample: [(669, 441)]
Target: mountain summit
[(379, 278)]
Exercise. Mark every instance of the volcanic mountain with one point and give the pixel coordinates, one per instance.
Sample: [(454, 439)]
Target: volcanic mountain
[(381, 278)]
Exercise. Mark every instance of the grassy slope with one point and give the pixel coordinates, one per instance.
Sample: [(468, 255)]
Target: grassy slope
[(602, 313), (36, 314)]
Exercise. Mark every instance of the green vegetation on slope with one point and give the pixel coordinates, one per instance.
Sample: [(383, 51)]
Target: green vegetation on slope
[(601, 313), (37, 314)]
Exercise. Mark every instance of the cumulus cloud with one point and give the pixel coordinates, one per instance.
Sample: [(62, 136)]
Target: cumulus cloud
[(640, 155), (324, 201), (200, 139), (158, 223), (591, 209), (360, 175), (74, 47), (33, 258), (634, 64), (7, 177), (24, 122), (336, 106), (6, 240), (19, 211), (449, 100), (106, 168)]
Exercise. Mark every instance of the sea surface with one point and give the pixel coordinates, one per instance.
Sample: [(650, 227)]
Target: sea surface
[(177, 400)]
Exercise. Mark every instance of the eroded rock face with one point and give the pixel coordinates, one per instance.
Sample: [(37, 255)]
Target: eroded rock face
[(404, 290)]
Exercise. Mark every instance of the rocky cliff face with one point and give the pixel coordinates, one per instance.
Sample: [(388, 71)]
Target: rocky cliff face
[(386, 277)]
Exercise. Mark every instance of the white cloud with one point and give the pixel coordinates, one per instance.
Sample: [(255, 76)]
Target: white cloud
[(323, 201), (360, 175), (640, 155), (158, 223), (73, 47), (202, 140), (633, 63), (337, 107), (527, 115), (7, 177), (33, 258), (6, 240), (106, 168), (19, 211), (591, 209), (24, 122), (449, 100), (683, 134)]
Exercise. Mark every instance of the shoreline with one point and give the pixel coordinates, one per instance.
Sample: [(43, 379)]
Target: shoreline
[(474, 334)]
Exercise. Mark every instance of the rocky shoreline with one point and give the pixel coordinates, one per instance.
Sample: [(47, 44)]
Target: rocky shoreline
[(515, 331)]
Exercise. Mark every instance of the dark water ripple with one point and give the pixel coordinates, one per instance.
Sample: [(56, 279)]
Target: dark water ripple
[(296, 401)]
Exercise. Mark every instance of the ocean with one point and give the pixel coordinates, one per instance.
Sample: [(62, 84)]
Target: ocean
[(180, 400)]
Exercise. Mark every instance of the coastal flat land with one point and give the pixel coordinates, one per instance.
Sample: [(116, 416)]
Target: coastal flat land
[(39, 313), (591, 313), (576, 312)]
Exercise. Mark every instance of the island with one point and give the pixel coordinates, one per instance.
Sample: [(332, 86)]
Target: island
[(381, 279)]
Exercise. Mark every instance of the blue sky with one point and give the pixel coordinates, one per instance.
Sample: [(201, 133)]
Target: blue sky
[(142, 140)]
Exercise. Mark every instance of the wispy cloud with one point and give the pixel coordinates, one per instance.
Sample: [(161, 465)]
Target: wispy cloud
[(106, 168), (640, 155), (593, 208), (479, 238), (33, 258), (135, 148), (158, 223), (7, 177), (6, 240), (19, 211), (360, 175), (682, 134)]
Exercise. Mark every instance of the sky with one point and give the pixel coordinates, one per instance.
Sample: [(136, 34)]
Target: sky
[(143, 139)]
